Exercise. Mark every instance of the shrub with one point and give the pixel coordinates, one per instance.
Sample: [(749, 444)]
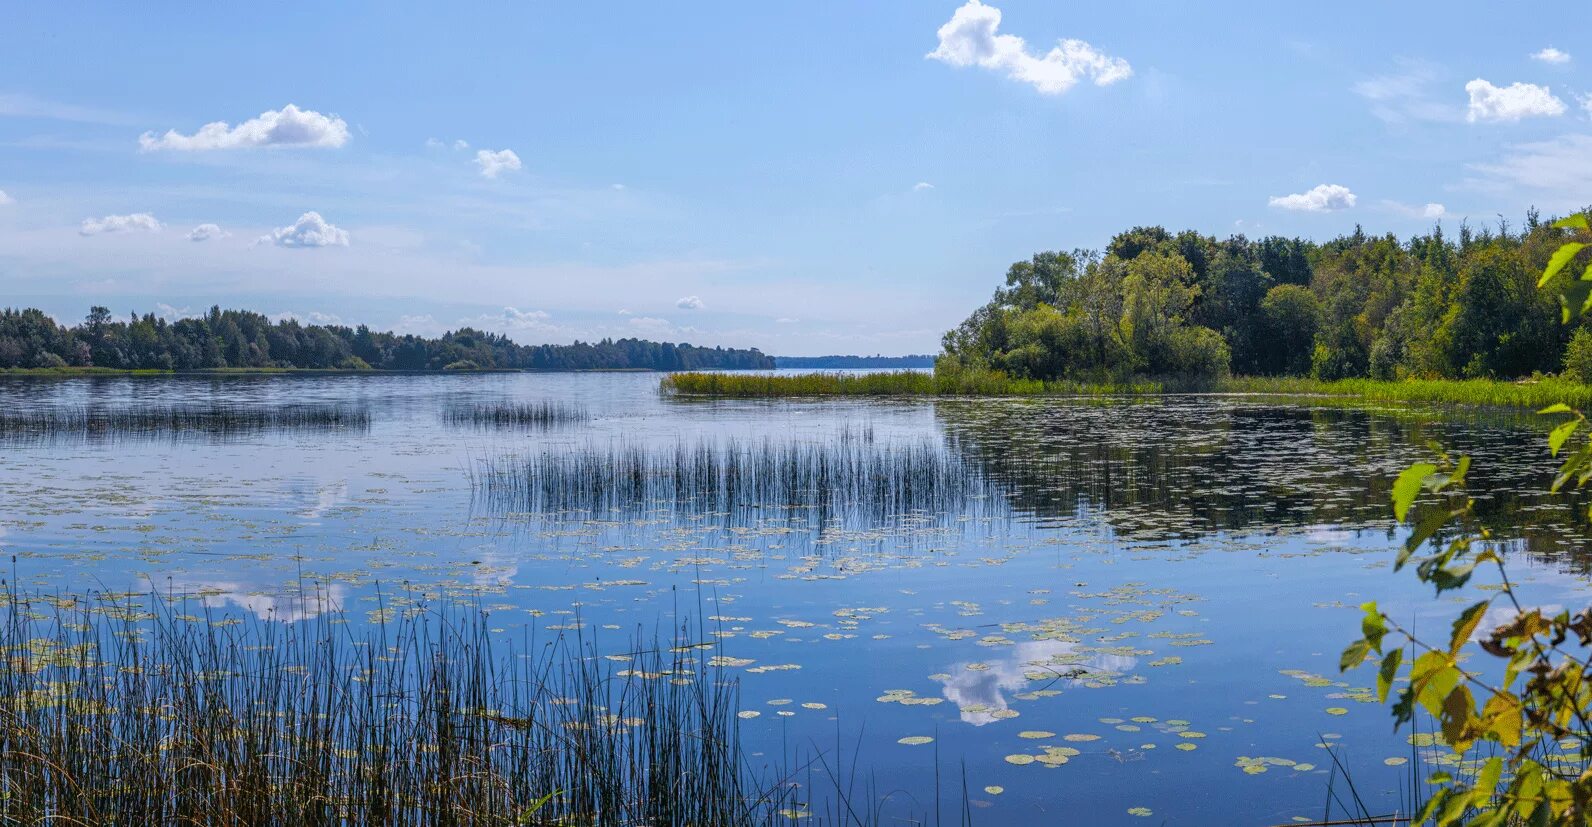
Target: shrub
[(1578, 356)]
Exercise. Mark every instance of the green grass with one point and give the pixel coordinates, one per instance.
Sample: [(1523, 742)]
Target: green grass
[(1532, 393)]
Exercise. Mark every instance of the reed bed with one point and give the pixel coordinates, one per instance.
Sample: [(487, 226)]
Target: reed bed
[(124, 710), (94, 423), (1535, 393), (840, 478), (528, 415), (886, 383), (1526, 393)]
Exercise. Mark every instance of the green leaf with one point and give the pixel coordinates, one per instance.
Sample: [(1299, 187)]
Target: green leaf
[(1560, 258), (1465, 625), (1387, 672), (1353, 656), (1572, 222), (1557, 407), (1560, 434), (1408, 485), (1372, 626)]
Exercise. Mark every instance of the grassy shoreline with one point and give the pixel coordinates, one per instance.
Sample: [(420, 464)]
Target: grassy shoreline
[(1532, 393)]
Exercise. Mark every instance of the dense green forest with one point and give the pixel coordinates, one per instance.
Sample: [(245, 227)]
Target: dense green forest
[(242, 339), (1187, 305)]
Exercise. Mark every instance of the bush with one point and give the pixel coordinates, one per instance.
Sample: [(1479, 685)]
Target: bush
[(1578, 356), (462, 364), (353, 363), (1199, 354)]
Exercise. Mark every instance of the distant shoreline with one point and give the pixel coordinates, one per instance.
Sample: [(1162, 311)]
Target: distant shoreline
[(78, 372)]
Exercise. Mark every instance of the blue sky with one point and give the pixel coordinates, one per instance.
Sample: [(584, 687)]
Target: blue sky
[(805, 178)]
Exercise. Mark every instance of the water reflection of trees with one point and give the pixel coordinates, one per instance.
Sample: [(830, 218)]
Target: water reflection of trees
[(1187, 466)]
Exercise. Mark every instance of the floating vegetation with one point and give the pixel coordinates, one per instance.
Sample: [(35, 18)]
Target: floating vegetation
[(528, 415), (217, 421), (854, 479), (113, 711)]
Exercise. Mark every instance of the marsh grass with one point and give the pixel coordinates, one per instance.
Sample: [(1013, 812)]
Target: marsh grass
[(1526, 393), (529, 415), (886, 383), (153, 421), (126, 710), (850, 477)]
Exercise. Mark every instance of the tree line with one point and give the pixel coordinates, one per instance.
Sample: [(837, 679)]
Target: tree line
[(29, 338), (1155, 303)]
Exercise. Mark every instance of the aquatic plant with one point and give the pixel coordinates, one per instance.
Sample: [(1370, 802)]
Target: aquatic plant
[(124, 709), (542, 414), (218, 420), (881, 482), (888, 383), (1526, 393)]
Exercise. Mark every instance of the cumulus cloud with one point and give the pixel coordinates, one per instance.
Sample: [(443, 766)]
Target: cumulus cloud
[(921, 186), (207, 232), (6, 199), (689, 303), (969, 38), (1552, 55), (137, 222), (1510, 103), (516, 317), (288, 127), (1430, 210), (1322, 198), (310, 230), (494, 163)]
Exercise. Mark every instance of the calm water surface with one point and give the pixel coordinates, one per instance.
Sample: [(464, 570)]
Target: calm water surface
[(1123, 604)]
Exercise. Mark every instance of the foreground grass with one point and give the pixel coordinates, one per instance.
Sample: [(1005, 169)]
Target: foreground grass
[(1533, 393), (122, 710)]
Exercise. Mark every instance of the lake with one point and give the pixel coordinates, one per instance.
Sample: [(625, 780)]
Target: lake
[(1101, 611)]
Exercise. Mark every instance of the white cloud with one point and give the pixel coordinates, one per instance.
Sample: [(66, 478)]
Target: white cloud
[(1322, 198), (786, 321), (493, 163), (1430, 210), (461, 144), (1510, 103), (310, 230), (1408, 94), (689, 303), (969, 38), (289, 127), (624, 311), (137, 222), (1552, 55), (172, 314), (1561, 167), (6, 199), (207, 232), (921, 186)]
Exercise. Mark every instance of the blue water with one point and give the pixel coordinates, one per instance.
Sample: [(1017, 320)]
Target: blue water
[(1138, 575)]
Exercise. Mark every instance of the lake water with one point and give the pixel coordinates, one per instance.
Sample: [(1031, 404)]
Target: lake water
[(1091, 607)]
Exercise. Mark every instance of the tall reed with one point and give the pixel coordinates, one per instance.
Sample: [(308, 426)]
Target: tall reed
[(118, 710), (842, 478), (213, 420), (542, 414)]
